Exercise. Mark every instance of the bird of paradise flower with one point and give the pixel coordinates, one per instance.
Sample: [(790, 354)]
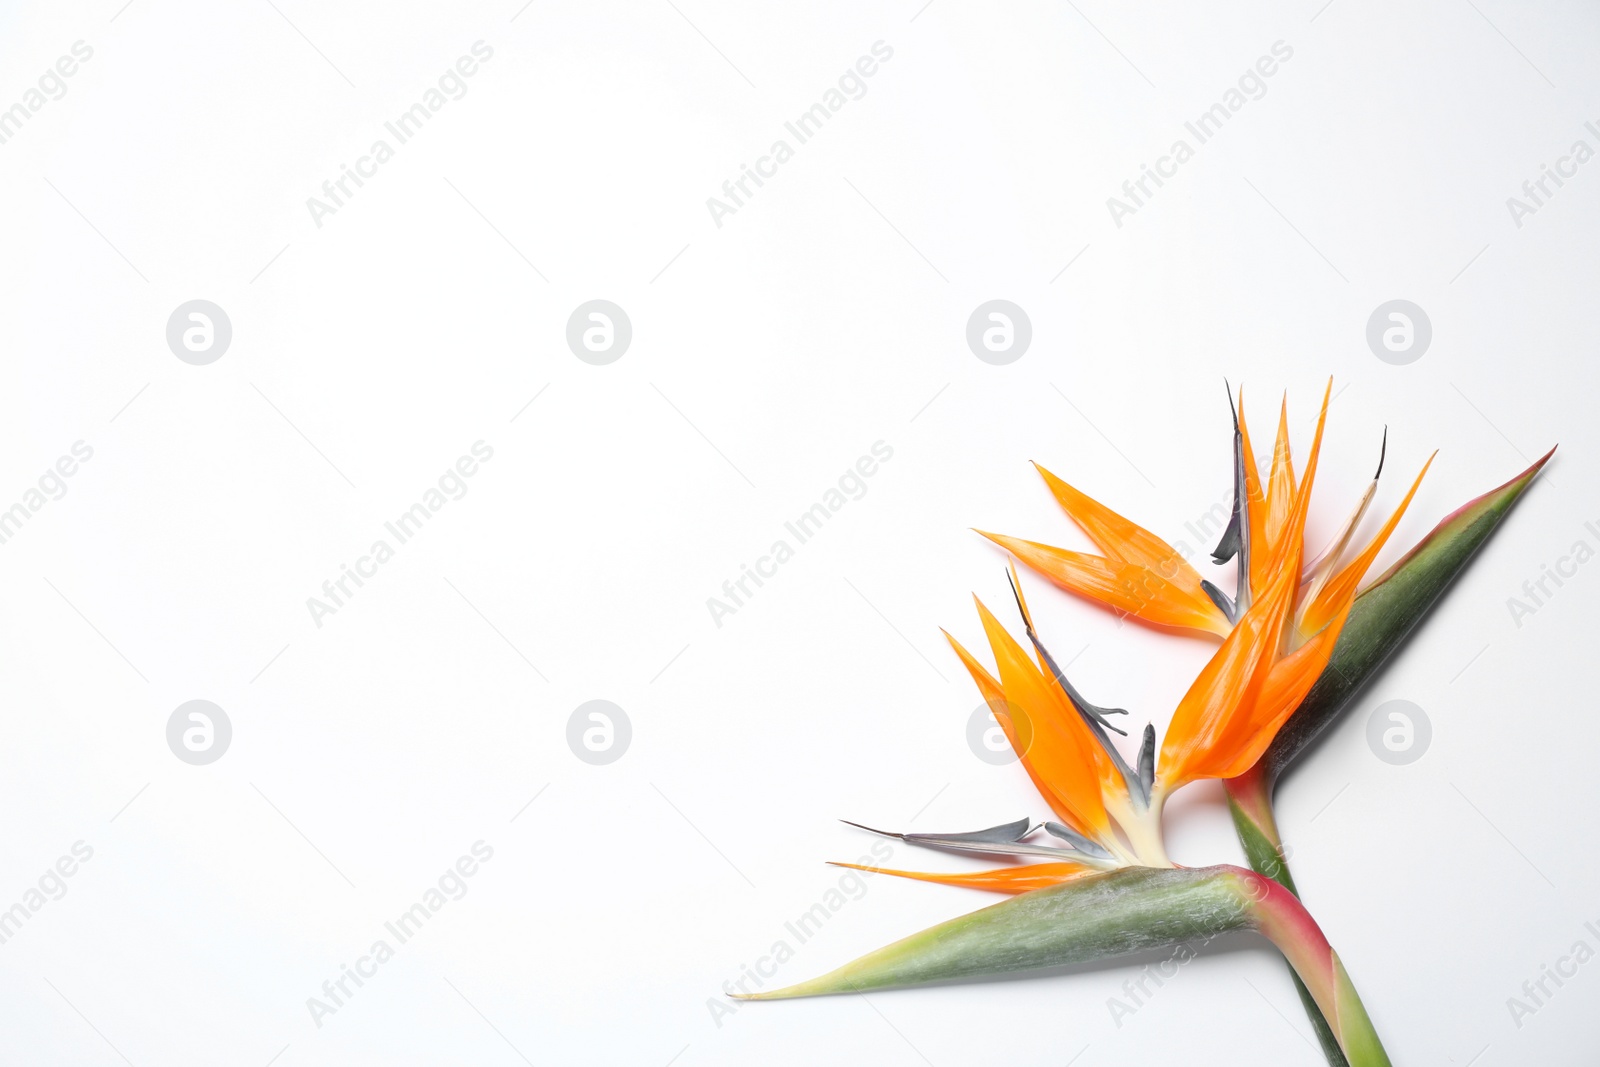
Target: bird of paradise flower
[(1108, 887)]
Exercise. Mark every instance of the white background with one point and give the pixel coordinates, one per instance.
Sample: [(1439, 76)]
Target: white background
[(768, 354)]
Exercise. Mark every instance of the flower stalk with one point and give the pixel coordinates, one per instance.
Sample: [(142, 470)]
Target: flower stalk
[(1250, 803), (1279, 915)]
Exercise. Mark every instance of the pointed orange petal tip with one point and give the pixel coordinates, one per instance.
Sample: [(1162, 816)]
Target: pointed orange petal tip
[(1013, 881), (1335, 597), (1126, 588)]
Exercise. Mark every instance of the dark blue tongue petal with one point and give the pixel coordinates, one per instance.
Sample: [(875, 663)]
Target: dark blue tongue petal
[(1147, 761), (1236, 538), (1222, 600), (1233, 537), (1004, 840), (1076, 840)]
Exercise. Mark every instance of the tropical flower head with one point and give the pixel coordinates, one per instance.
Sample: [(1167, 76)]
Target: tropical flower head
[(1277, 634)]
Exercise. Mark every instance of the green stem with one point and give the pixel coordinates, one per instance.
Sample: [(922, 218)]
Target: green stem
[(1250, 801), (1280, 916)]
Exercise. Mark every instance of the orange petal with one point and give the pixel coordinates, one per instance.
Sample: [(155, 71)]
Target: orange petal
[(1280, 491), (1063, 752), (1112, 534), (1224, 739), (1023, 879), (1289, 550), (1126, 588), (1256, 498), (1039, 758), (1201, 733), (1113, 782), (1018, 729), (1335, 596), (1286, 685)]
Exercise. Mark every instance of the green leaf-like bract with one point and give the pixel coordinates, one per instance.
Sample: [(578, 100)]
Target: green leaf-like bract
[(1383, 615), (1092, 918)]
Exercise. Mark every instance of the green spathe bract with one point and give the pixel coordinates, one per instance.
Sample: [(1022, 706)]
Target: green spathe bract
[(1104, 916), (1093, 918), (1383, 615)]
